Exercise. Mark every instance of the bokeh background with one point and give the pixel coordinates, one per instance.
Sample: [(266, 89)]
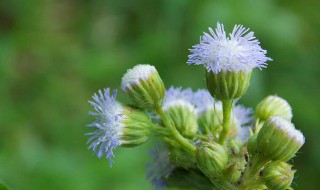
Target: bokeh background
[(54, 54)]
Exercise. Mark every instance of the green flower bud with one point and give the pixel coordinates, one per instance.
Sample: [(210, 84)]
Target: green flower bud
[(272, 106), (228, 85), (136, 127), (278, 175), (278, 140), (144, 85), (210, 121), (183, 115), (211, 158)]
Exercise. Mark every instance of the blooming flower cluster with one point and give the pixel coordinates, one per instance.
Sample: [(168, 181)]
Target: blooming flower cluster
[(209, 141)]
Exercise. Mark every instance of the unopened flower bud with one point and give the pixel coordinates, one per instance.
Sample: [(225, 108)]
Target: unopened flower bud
[(278, 140), (210, 121), (278, 175), (144, 85), (228, 85), (184, 118), (211, 158), (136, 128), (178, 106), (272, 106)]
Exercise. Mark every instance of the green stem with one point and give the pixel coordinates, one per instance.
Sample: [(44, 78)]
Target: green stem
[(174, 132), (227, 107)]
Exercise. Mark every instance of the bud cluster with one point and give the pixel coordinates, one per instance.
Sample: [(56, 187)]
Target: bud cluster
[(208, 140)]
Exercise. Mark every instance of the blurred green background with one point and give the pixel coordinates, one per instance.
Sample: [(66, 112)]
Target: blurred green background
[(54, 54)]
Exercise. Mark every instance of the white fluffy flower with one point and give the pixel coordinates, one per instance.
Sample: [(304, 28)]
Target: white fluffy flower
[(288, 128), (135, 75), (240, 51)]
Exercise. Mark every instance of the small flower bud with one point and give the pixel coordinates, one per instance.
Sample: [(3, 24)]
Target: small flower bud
[(211, 158), (177, 105), (136, 128), (228, 85), (278, 140), (271, 106), (144, 85), (278, 175), (184, 118), (210, 121)]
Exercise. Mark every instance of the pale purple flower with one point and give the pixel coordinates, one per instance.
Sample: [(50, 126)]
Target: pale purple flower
[(243, 121), (178, 97), (243, 115), (107, 125), (203, 101), (240, 51), (160, 168)]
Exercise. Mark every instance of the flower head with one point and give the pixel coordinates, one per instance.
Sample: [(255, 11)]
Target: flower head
[(271, 106), (135, 75), (288, 128), (106, 136), (278, 175), (240, 51), (178, 105), (144, 85), (115, 125), (160, 168), (278, 139)]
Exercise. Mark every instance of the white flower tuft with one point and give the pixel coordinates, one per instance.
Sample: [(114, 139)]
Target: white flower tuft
[(136, 74), (288, 127), (240, 51)]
